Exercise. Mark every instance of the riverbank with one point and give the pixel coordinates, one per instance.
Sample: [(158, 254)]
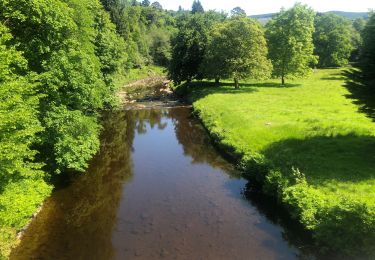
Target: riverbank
[(21, 202), (305, 144)]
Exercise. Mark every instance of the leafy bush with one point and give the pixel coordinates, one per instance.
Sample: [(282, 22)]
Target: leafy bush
[(73, 138)]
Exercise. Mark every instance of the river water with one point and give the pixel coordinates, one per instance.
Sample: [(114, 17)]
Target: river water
[(157, 189)]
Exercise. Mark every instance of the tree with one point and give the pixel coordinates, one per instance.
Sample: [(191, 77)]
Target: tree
[(237, 49), (19, 123), (74, 65), (289, 37), (238, 11), (359, 24), (157, 5), (188, 48), (197, 7), (146, 3), (189, 45), (367, 56), (358, 27), (160, 46), (332, 40)]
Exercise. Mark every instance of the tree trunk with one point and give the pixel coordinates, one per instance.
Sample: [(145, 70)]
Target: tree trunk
[(282, 80), (217, 82), (236, 85)]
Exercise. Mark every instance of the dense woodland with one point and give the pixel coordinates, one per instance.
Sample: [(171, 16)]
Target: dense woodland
[(60, 60)]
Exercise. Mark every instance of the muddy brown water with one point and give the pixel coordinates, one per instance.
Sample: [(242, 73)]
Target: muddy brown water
[(157, 189)]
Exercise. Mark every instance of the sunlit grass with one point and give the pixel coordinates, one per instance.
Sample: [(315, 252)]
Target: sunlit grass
[(135, 74), (310, 125)]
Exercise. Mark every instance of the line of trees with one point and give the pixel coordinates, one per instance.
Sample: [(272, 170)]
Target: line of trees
[(212, 45), (57, 67), (146, 29)]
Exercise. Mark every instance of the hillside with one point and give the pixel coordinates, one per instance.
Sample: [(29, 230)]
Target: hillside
[(349, 15)]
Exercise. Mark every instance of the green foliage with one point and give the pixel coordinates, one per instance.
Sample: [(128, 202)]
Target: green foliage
[(22, 188), (72, 138), (357, 29), (238, 11), (160, 46), (237, 49), (59, 59), (313, 152), (146, 29), (157, 5), (189, 45), (289, 36), (18, 113), (333, 40), (352, 220), (197, 7), (26, 17), (367, 56)]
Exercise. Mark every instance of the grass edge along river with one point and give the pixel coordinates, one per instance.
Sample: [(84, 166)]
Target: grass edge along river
[(307, 144)]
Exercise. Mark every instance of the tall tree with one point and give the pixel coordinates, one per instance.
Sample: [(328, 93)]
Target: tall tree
[(367, 58), (358, 27), (333, 40), (238, 11), (197, 7), (146, 3), (189, 45), (18, 114), (290, 41), (157, 5), (22, 184), (74, 67), (188, 48), (237, 49)]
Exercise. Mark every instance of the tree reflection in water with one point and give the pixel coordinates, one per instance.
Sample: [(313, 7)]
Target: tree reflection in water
[(79, 219), (180, 186)]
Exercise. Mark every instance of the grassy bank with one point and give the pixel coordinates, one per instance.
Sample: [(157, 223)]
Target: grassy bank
[(19, 200), (132, 75), (306, 144)]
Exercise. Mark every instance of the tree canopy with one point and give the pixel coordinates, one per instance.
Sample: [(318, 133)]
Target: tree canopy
[(367, 56), (237, 49), (238, 11), (189, 45), (290, 42), (333, 40), (197, 7)]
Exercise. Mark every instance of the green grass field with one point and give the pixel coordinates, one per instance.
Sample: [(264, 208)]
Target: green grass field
[(307, 144)]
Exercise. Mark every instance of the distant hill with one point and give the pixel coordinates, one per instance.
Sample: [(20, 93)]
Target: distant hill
[(350, 15)]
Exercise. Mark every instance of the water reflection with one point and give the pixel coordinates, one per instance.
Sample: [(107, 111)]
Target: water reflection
[(157, 189), (77, 222)]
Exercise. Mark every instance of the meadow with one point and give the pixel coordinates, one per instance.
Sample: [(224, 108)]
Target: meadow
[(310, 144)]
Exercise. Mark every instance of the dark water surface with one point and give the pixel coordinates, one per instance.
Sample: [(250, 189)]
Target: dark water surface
[(157, 189)]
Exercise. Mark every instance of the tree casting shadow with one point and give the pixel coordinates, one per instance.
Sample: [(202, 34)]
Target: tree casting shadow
[(201, 89), (322, 159), (361, 91)]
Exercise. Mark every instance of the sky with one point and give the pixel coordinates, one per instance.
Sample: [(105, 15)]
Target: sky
[(253, 7)]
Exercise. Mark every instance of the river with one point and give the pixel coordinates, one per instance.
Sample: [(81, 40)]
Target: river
[(157, 189)]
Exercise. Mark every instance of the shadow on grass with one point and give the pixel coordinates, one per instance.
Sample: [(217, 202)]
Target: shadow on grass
[(361, 91), (334, 78), (199, 89), (348, 158)]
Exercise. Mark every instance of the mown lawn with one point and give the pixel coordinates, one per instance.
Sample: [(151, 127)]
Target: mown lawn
[(307, 144)]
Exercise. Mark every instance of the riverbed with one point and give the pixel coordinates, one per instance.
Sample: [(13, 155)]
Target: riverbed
[(156, 190)]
